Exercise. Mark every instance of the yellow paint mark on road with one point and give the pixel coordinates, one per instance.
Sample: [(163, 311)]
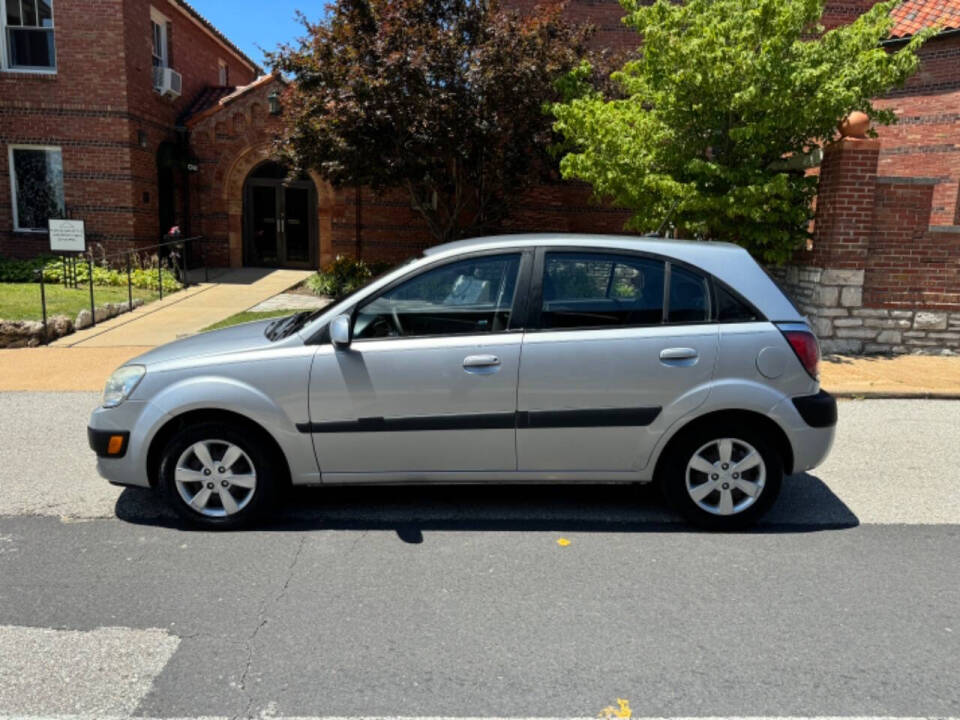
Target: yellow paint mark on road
[(563, 542), (610, 712)]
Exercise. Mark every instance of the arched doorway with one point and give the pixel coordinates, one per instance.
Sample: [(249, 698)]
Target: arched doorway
[(279, 219)]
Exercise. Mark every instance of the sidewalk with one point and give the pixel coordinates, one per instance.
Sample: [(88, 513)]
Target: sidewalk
[(908, 376), (187, 311)]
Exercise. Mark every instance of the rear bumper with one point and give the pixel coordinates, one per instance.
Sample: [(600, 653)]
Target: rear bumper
[(818, 411), (810, 422)]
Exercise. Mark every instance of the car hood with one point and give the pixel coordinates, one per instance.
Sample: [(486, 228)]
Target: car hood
[(239, 338)]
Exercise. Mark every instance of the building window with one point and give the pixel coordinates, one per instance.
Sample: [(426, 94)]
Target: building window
[(224, 73), (159, 49), (28, 35), (36, 180)]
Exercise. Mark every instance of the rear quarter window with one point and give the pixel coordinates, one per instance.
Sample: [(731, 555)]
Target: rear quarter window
[(731, 309)]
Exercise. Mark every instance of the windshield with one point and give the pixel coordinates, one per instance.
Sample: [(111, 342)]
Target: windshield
[(287, 326)]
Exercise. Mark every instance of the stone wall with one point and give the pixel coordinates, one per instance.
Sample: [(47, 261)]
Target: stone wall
[(832, 299)]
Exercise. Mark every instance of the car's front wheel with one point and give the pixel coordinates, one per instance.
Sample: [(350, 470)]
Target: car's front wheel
[(723, 478), (217, 477)]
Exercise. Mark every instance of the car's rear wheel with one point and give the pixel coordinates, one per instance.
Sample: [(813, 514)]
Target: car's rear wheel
[(722, 478), (216, 476)]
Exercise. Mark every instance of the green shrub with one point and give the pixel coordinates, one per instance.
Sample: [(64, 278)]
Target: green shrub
[(143, 275), (21, 270), (343, 276)]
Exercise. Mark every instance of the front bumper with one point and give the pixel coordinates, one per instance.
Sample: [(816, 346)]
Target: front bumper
[(108, 443), (134, 420)]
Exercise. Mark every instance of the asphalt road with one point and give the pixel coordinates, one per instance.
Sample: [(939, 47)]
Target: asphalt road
[(461, 602)]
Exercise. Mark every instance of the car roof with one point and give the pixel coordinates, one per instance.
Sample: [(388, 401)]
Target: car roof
[(648, 243)]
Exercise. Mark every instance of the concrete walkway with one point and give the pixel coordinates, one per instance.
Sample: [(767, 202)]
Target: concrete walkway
[(291, 301), (187, 311)]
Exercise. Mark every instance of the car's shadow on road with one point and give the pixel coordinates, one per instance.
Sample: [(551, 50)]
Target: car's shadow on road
[(806, 504)]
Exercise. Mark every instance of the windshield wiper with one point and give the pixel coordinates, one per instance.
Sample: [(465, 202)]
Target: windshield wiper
[(285, 327)]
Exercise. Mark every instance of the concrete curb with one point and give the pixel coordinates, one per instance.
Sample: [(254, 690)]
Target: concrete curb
[(893, 395)]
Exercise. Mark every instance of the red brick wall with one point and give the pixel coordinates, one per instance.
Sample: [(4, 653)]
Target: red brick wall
[(192, 53), (924, 142), (909, 265), (82, 109), (93, 108)]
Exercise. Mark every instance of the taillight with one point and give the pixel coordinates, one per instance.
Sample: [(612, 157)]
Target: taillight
[(805, 345)]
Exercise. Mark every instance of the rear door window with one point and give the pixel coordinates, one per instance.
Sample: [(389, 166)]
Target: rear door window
[(689, 296), (584, 290)]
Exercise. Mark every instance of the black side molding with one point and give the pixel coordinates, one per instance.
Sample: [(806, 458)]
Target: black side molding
[(476, 421), (604, 417), (100, 441), (818, 410)]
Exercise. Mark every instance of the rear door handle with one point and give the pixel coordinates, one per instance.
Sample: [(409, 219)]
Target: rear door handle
[(480, 361), (679, 353)]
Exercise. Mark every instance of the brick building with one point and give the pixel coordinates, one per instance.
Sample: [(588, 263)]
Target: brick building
[(90, 96)]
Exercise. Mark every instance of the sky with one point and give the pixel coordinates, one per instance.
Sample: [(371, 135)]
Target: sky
[(253, 23)]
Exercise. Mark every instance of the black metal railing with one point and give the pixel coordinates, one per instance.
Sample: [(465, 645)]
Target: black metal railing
[(173, 255)]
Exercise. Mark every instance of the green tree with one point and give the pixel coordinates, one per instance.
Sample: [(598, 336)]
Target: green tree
[(444, 98), (720, 94)]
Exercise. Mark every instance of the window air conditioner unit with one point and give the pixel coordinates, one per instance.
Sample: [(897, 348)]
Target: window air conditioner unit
[(167, 81)]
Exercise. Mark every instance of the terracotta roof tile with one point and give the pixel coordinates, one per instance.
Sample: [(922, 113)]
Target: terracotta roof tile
[(206, 98), (914, 15)]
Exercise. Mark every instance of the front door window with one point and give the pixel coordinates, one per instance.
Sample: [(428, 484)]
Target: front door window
[(466, 297)]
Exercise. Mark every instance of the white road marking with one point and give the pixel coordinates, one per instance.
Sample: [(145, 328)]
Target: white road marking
[(97, 673)]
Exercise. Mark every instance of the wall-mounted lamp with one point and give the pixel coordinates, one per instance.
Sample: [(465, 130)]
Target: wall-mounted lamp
[(142, 139), (274, 99)]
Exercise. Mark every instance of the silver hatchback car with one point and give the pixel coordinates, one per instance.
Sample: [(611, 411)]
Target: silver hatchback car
[(526, 358)]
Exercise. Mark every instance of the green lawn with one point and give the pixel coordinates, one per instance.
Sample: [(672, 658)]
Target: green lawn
[(21, 301), (248, 316)]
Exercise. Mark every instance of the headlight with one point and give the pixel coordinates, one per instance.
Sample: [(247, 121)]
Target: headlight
[(121, 384)]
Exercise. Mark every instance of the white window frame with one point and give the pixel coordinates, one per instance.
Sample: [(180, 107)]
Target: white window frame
[(160, 20), (5, 48), (13, 182)]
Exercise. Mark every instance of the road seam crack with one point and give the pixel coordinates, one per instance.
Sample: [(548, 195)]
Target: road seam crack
[(262, 620)]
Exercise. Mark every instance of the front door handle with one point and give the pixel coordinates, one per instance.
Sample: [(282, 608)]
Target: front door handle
[(678, 353), (480, 361)]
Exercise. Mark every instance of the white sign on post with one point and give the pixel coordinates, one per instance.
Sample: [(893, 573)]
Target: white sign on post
[(67, 236)]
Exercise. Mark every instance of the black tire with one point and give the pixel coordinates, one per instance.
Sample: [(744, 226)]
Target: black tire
[(258, 455), (673, 476)]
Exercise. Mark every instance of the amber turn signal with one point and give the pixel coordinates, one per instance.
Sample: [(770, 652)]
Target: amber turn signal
[(115, 446)]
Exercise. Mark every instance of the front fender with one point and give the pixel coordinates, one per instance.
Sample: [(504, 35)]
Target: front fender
[(213, 392)]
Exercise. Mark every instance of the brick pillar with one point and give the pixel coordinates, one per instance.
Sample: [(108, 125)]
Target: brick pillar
[(845, 199)]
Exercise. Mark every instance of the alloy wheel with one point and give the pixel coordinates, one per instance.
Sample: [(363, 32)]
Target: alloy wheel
[(215, 478), (725, 476)]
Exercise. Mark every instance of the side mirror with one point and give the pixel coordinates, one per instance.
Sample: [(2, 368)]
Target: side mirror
[(340, 331)]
